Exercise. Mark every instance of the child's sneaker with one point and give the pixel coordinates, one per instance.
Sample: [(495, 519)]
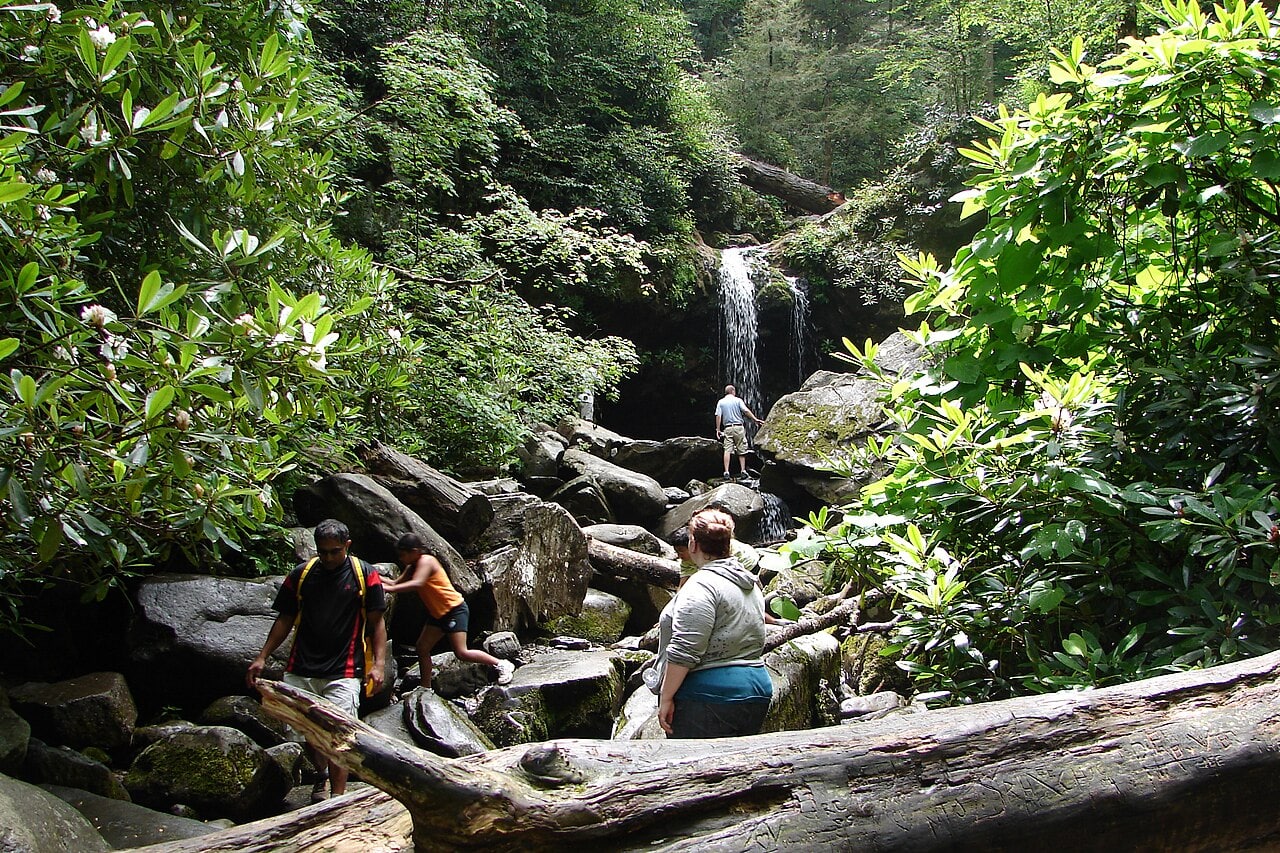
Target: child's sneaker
[(505, 670), (726, 476), (319, 791)]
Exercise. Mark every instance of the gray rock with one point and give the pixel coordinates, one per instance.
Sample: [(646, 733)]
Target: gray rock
[(558, 694), (596, 439), (673, 461), (639, 717), (377, 519), (635, 498), (15, 733), (504, 645), (496, 488), (802, 582), (585, 500), (438, 726), (92, 710), (245, 714), (676, 495), (870, 707), (391, 722), (633, 537), (545, 576), (194, 635), (745, 505), (35, 821), (453, 678), (125, 825), (304, 543), (805, 672), (507, 526), (144, 736), (540, 454), (218, 771), (602, 619), (61, 765), (290, 757)]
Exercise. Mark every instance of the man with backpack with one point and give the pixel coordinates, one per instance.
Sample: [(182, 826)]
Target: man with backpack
[(336, 601)]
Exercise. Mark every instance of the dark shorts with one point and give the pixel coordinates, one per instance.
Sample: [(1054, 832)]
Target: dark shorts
[(453, 622), (693, 719)]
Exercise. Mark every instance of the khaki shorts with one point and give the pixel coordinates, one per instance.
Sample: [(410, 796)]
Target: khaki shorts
[(342, 692), (734, 437)]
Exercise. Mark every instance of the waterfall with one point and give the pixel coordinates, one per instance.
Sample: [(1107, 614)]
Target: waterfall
[(799, 327), (775, 522), (739, 325)]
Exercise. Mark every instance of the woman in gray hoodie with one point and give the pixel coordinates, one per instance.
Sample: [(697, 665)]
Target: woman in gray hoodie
[(711, 637)]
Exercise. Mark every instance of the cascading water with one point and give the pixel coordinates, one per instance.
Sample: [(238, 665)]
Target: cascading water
[(775, 522), (739, 329), (799, 327)]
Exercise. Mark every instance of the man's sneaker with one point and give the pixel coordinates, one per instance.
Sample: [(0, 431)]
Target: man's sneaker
[(743, 477), (727, 476), (505, 670), (319, 791)]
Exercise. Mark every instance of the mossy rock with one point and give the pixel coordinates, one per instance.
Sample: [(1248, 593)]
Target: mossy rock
[(802, 671), (602, 620), (559, 694), (867, 669)]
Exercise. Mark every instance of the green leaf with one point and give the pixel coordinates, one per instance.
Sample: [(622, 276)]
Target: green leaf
[(1076, 645), (51, 540), (784, 608), (8, 346), (27, 390), (13, 191), (159, 400), (18, 500)]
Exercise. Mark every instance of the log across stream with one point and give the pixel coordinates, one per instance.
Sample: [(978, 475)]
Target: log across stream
[(1184, 762)]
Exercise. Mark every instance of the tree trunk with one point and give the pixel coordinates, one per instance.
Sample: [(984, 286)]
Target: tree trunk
[(1184, 762), (794, 190), (625, 563), (458, 512)]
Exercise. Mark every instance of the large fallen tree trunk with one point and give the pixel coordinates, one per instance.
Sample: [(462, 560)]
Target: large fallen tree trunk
[(794, 190), (454, 509), (1184, 762), (625, 563)]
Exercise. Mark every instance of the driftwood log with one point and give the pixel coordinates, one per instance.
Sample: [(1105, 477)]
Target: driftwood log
[(454, 510), (796, 191), (1183, 762), (624, 563)]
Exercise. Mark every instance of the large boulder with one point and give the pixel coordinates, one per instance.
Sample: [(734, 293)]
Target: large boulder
[(559, 694), (540, 454), (507, 526), (545, 576), (806, 674), (61, 765), (35, 821), (744, 504), (602, 619), (15, 734), (377, 519), (246, 714), (585, 500), (218, 771), (595, 439), (193, 636), (674, 461), (439, 726), (125, 825), (635, 498), (92, 710)]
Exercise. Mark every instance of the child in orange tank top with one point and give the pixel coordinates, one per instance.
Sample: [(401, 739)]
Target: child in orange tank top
[(447, 611)]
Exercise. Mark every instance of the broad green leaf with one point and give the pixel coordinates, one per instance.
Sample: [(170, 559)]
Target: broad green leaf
[(159, 400), (13, 191), (8, 346)]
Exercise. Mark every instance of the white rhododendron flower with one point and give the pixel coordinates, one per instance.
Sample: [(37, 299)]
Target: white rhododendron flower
[(102, 37), (97, 315)]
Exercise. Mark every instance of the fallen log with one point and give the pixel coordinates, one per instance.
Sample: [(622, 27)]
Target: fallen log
[(796, 191), (625, 563), (456, 510), (1183, 762)]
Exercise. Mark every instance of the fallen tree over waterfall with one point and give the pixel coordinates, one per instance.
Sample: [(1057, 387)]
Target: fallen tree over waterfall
[(1182, 762), (801, 193)]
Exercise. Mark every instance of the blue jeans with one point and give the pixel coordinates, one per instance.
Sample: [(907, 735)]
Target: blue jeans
[(694, 719)]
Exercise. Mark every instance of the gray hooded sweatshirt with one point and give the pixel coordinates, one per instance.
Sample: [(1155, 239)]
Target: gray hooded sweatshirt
[(716, 619)]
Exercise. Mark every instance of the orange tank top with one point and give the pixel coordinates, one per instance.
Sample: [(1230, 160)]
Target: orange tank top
[(438, 594)]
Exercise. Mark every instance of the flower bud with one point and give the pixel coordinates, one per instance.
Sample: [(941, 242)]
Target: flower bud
[(182, 419)]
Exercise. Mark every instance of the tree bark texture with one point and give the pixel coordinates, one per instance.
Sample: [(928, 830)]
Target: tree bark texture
[(1184, 762), (796, 191), (456, 511), (625, 563)]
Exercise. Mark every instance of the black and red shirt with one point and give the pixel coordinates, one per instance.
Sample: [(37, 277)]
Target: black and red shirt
[(327, 642)]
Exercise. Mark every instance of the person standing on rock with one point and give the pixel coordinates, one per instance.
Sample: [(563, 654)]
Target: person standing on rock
[(731, 429), (447, 611), (337, 602), (711, 641)]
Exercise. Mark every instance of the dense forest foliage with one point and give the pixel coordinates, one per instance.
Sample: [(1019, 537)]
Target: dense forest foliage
[(241, 239)]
